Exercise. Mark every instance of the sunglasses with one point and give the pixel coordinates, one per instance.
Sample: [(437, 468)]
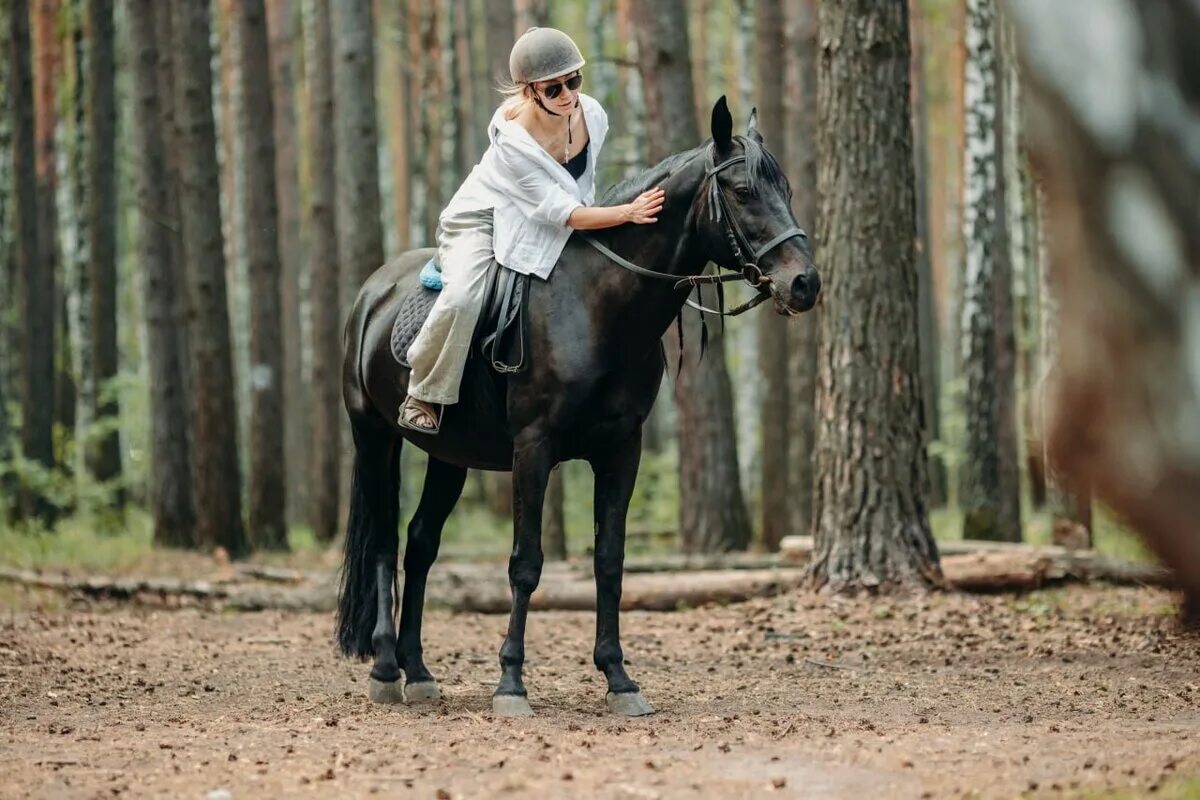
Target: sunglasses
[(555, 89)]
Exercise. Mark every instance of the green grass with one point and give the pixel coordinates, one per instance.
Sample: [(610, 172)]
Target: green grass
[(1182, 788)]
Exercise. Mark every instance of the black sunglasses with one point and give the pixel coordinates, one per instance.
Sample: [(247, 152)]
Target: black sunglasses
[(555, 89)]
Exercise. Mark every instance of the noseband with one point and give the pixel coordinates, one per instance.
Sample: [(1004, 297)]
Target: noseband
[(748, 269)]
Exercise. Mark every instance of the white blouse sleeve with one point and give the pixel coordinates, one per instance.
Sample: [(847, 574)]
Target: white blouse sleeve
[(536, 193)]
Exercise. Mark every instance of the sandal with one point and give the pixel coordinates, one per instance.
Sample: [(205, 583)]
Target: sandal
[(414, 410)]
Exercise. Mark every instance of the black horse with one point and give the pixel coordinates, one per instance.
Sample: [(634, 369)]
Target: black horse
[(596, 365)]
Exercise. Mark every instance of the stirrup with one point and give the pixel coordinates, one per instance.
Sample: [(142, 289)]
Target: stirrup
[(408, 404)]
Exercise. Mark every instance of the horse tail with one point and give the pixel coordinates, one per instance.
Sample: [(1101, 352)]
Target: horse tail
[(372, 535)]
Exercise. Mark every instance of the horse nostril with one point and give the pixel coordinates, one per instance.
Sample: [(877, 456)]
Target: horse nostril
[(799, 288)]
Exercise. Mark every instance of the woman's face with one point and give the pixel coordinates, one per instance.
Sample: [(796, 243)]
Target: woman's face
[(564, 89)]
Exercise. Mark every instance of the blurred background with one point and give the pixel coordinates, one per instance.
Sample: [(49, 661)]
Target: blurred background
[(168, 278)]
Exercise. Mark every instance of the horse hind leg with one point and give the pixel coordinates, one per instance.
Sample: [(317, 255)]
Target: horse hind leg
[(366, 601), (443, 486)]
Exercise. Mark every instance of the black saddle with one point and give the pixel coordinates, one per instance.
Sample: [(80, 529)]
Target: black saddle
[(502, 333)]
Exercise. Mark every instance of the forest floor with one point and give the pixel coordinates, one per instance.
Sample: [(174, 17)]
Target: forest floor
[(1084, 691)]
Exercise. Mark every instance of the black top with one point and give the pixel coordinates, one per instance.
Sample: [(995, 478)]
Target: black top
[(578, 164)]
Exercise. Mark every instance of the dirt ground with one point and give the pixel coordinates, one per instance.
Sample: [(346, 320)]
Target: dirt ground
[(1059, 693)]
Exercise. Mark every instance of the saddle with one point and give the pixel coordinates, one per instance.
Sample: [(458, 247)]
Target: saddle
[(502, 332)]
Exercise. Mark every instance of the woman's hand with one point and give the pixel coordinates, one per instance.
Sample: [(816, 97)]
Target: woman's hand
[(645, 208)]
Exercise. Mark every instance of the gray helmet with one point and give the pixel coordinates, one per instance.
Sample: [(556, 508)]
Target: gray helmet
[(541, 54)]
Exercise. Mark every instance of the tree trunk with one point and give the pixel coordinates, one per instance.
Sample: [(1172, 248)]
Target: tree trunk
[(713, 515), (770, 52), (102, 232), (217, 474), (530, 13), (325, 334), (171, 502), (871, 525), (930, 344), (360, 229), (501, 24), (9, 346), (47, 52), (396, 58), (989, 492), (801, 91), (280, 25), (256, 126), (429, 104), (36, 276)]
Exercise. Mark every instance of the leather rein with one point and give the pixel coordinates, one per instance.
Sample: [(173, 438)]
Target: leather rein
[(738, 243)]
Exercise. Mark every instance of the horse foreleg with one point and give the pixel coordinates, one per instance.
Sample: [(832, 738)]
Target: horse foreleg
[(532, 461), (615, 474), (443, 486)]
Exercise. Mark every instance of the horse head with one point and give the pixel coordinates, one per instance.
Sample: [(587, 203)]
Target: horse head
[(747, 224)]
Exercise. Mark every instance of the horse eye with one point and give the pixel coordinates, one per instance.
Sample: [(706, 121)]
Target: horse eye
[(742, 192)]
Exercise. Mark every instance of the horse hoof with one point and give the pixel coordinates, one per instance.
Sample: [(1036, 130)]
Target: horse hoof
[(422, 691), (511, 705), (388, 694), (628, 704)]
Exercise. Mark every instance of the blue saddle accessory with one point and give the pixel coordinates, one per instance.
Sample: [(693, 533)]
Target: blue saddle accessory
[(431, 276)]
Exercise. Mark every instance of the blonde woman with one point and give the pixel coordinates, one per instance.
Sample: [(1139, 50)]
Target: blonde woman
[(533, 186)]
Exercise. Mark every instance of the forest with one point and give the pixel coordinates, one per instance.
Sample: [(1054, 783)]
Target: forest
[(990, 418)]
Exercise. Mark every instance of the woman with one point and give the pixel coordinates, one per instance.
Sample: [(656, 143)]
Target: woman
[(533, 186)]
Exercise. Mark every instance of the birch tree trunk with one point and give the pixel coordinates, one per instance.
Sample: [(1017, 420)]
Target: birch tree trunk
[(871, 525), (321, 215), (281, 16), (713, 515), (989, 491), (171, 502), (217, 472), (36, 276)]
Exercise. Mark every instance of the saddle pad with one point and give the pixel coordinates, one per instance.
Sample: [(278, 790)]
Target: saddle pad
[(431, 276), (413, 311)]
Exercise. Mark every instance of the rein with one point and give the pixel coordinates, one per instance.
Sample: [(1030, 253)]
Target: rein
[(750, 271)]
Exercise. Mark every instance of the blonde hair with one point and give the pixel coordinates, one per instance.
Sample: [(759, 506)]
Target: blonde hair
[(516, 97)]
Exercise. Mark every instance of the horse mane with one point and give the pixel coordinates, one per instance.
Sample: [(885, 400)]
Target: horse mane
[(761, 166)]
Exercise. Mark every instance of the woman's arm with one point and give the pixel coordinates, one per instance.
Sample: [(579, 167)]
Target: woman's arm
[(641, 211)]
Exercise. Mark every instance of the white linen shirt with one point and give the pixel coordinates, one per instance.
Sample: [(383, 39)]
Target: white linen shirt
[(531, 193)]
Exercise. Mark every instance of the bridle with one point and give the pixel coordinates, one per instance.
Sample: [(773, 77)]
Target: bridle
[(747, 270)]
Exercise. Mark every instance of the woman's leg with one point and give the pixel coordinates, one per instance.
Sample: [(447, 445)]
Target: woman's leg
[(439, 353)]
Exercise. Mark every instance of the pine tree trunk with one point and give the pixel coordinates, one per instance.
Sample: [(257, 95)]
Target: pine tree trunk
[(501, 24), (429, 105), (930, 341), (989, 491), (871, 524), (36, 276), (463, 62), (770, 52), (217, 473), (280, 25), (801, 164), (713, 515), (171, 501), (102, 233), (396, 62), (321, 214), (256, 127), (8, 275), (360, 229)]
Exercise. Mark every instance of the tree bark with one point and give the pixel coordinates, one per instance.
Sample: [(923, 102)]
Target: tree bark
[(280, 26), (36, 276), (396, 58), (770, 52), (217, 473), (871, 524), (171, 501), (360, 229), (989, 491), (930, 341), (713, 515), (501, 24), (256, 126), (321, 213), (9, 345), (102, 233), (801, 91)]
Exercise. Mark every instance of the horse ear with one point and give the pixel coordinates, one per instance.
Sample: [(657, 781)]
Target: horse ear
[(722, 125), (752, 128)]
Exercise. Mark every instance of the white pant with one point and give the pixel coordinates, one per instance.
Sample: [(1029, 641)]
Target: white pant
[(439, 353)]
